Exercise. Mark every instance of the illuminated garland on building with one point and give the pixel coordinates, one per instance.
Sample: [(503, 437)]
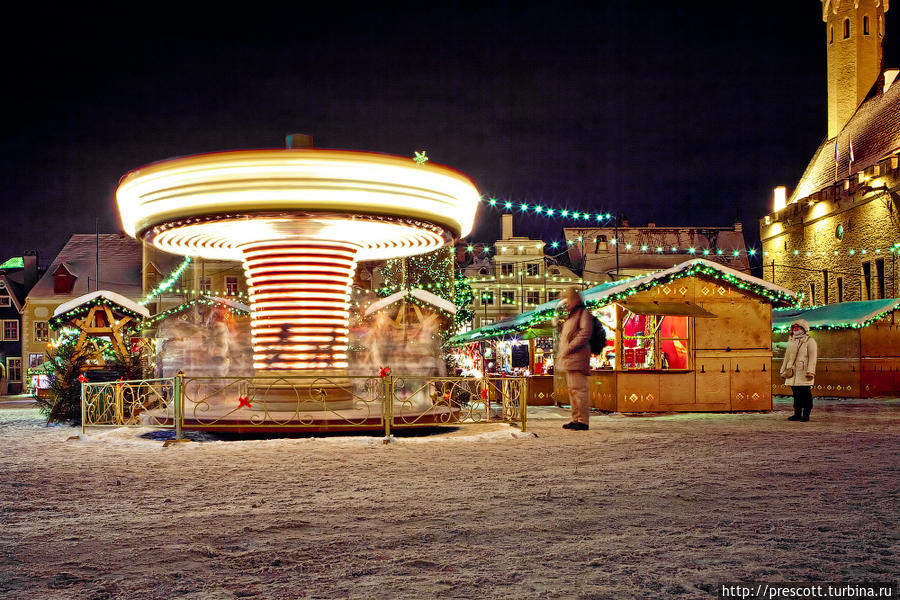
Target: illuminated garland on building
[(547, 211), (167, 283), (895, 249)]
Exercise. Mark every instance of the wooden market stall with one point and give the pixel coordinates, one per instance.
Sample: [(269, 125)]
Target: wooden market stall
[(694, 337), (858, 347)]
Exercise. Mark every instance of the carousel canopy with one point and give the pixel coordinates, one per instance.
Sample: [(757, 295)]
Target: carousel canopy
[(843, 315), (534, 322)]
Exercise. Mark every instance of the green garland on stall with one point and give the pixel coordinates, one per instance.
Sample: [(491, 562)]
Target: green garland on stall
[(149, 322), (82, 309), (837, 326)]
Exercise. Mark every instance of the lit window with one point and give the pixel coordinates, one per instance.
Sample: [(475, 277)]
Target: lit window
[(14, 368), (655, 342), (205, 285), (35, 359), (231, 285), (10, 331), (41, 331)]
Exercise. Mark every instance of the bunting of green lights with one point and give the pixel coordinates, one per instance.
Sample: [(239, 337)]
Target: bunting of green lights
[(840, 325), (150, 322), (168, 282)]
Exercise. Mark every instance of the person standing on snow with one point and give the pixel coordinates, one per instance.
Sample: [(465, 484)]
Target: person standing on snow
[(574, 358), (799, 368)]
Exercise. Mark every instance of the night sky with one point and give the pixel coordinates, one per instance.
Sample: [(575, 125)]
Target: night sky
[(672, 112)]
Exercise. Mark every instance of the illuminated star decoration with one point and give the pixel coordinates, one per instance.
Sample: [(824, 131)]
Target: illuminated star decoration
[(243, 401), (420, 158)]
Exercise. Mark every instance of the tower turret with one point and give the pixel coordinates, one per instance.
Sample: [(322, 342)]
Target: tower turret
[(854, 30)]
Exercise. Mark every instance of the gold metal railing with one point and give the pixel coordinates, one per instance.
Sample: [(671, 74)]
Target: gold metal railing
[(299, 403), (145, 402)]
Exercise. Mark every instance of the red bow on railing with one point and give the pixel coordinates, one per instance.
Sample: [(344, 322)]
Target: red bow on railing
[(82, 378), (384, 371), (120, 382), (484, 394), (244, 401)]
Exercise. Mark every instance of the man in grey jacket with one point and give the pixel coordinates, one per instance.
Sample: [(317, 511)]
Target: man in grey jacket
[(574, 358)]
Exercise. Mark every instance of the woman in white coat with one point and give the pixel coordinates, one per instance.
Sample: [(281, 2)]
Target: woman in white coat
[(799, 368)]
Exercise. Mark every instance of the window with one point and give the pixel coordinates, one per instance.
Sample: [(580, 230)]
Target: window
[(5, 301), (867, 279), (507, 269), (508, 297), (846, 28), (831, 34), (825, 287), (533, 297), (866, 25), (41, 331), (487, 297), (231, 285), (812, 293), (14, 368), (533, 270), (879, 276), (205, 285), (35, 359), (881, 25), (487, 322), (655, 342), (840, 284), (10, 331)]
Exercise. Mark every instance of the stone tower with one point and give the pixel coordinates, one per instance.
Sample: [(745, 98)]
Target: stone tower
[(854, 30)]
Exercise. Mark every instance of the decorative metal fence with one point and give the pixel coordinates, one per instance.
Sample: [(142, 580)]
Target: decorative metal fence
[(303, 403)]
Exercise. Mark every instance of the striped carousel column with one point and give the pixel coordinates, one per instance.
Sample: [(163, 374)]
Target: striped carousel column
[(299, 303)]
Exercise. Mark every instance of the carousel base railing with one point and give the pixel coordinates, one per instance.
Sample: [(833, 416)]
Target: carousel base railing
[(303, 403)]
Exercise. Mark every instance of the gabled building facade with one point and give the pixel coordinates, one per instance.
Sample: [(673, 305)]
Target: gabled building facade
[(17, 276), (86, 263)]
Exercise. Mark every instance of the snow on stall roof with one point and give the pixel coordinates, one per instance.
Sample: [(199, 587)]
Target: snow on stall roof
[(229, 302), (111, 296), (832, 315), (415, 293)]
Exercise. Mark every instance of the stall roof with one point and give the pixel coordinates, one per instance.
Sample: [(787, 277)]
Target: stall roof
[(843, 315), (619, 291), (107, 294)]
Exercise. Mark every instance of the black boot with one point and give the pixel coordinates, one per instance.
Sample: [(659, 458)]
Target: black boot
[(798, 414), (805, 414)]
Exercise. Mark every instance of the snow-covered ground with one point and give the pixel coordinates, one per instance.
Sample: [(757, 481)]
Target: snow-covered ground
[(637, 507)]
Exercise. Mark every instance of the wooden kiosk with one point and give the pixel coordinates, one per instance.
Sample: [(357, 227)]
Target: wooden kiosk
[(858, 347), (694, 337)]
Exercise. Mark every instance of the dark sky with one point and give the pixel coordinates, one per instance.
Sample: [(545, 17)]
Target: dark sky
[(673, 112)]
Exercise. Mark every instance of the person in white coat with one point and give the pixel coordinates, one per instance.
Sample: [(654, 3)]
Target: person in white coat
[(799, 369)]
